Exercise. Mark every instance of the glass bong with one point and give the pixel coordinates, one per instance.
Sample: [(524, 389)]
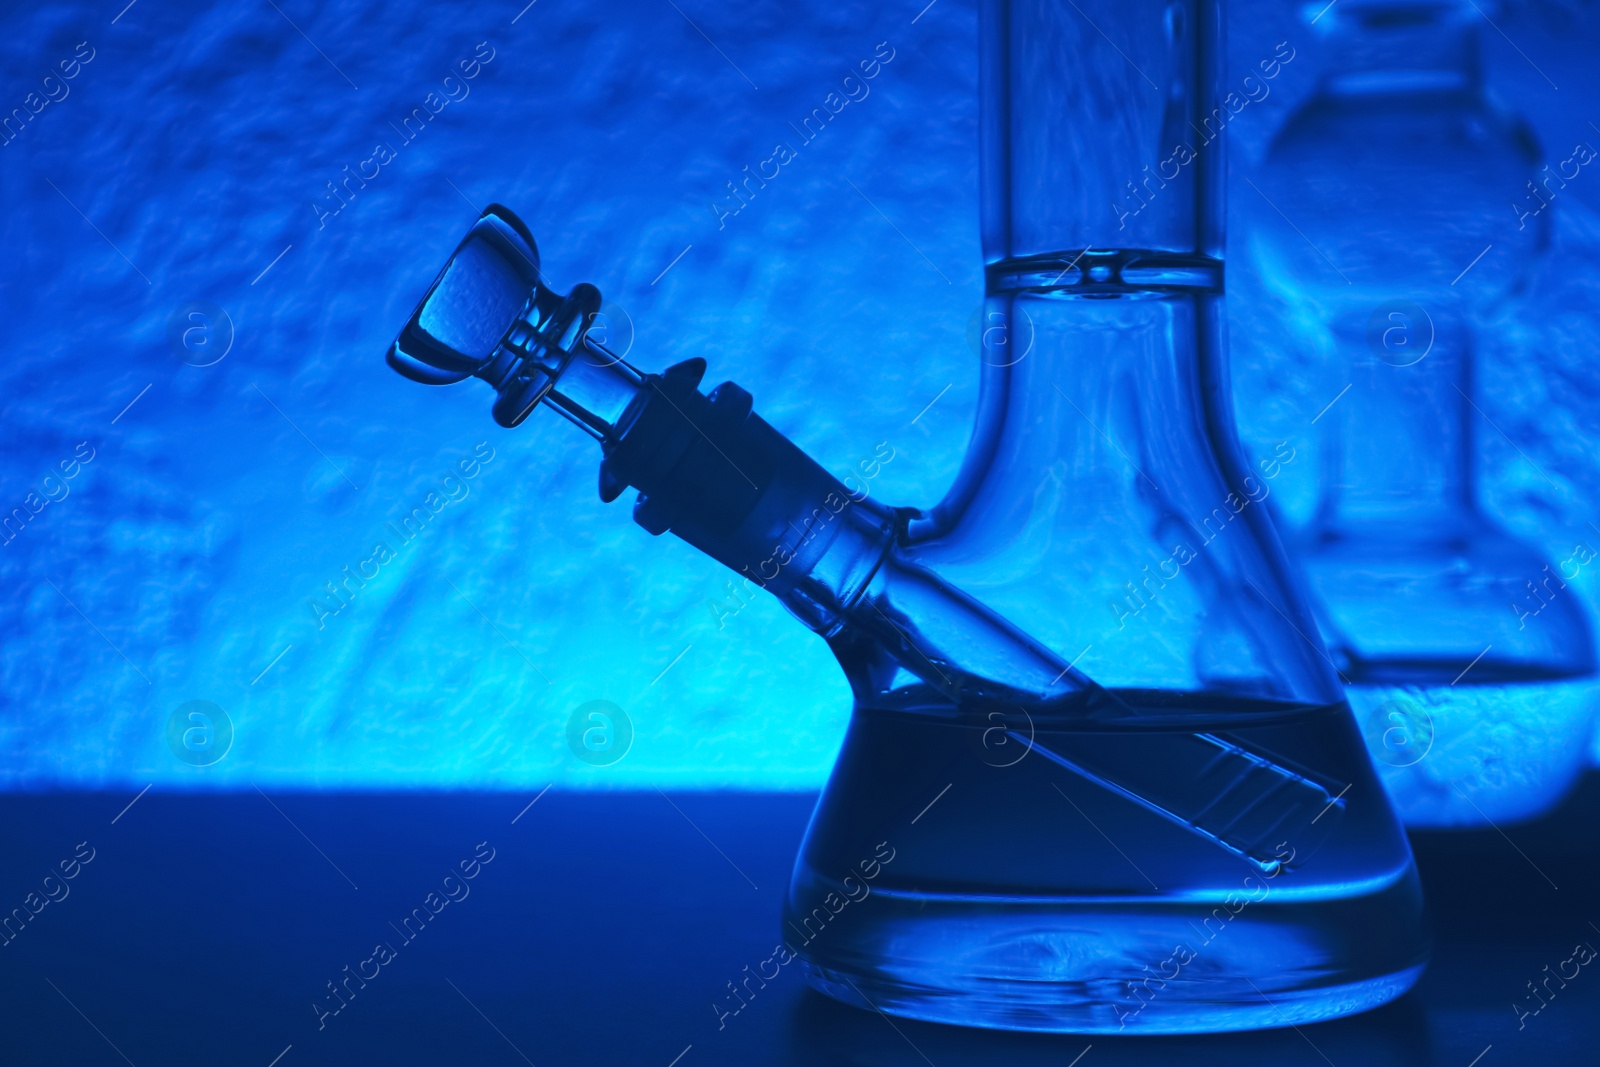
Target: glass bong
[(1179, 829), (1402, 216)]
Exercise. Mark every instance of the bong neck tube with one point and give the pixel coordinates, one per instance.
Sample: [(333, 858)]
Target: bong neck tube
[(1119, 156), (1103, 178), (1104, 504)]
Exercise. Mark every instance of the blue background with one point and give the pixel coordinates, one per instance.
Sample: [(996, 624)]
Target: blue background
[(182, 564)]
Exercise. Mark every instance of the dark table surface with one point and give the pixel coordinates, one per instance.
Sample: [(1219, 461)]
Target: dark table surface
[(207, 926)]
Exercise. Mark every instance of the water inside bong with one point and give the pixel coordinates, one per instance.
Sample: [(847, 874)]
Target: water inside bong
[(1035, 892)]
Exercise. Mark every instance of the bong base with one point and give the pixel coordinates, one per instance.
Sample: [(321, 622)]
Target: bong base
[(949, 877), (1097, 967)]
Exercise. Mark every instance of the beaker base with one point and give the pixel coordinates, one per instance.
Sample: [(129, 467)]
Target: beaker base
[(1021, 1006), (1035, 892), (1098, 967)]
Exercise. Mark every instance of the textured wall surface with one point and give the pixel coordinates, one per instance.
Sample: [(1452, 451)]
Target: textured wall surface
[(189, 161)]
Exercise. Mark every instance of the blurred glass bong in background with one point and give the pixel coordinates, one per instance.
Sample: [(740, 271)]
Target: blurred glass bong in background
[(1179, 830), (1403, 212)]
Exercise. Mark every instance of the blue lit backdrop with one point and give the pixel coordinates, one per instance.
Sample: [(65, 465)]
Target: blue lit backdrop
[(189, 160)]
